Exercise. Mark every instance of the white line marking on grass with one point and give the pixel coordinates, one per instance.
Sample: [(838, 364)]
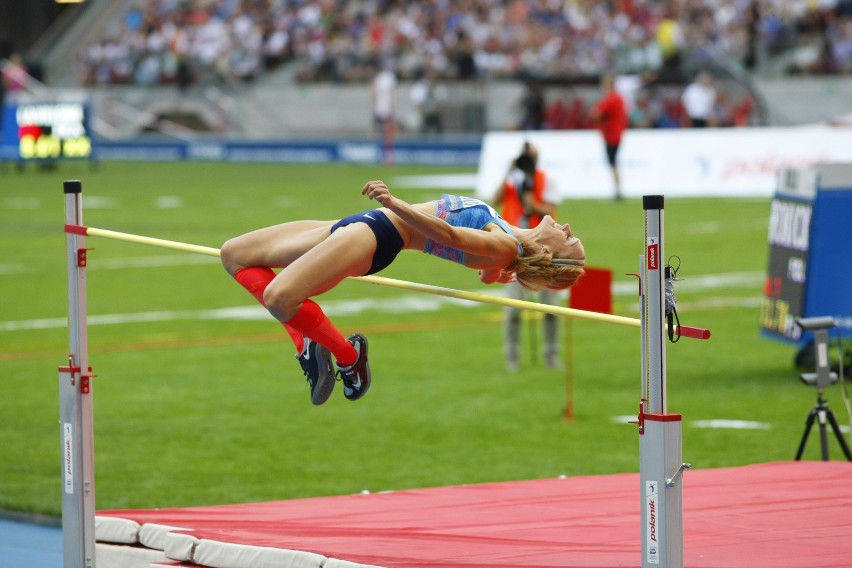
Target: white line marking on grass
[(22, 203), (715, 303), (13, 269), (706, 228), (713, 227), (122, 263), (150, 261), (95, 202), (720, 303), (626, 419), (404, 304), (718, 423), (442, 181), (706, 282), (286, 202), (168, 202), (731, 424), (728, 280)]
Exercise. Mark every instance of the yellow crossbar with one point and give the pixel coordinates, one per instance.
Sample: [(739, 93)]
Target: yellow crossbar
[(91, 231)]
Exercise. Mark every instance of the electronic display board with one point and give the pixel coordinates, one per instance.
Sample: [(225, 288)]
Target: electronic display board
[(784, 287), (41, 129), (810, 266)]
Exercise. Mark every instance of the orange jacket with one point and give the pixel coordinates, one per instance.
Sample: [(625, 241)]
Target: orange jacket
[(513, 207)]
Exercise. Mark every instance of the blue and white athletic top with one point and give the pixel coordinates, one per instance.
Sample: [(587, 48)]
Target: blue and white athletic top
[(464, 212)]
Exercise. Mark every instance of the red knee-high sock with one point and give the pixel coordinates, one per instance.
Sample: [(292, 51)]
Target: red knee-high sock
[(312, 322), (255, 279)]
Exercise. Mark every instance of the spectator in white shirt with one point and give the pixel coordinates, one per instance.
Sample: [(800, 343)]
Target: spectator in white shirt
[(699, 99)]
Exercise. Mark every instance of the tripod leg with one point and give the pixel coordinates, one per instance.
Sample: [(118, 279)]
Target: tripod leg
[(808, 423), (823, 434), (840, 439)]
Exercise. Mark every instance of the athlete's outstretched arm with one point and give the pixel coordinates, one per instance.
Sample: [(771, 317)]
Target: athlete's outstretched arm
[(497, 245)]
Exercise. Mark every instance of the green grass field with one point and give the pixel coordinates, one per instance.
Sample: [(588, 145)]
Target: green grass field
[(194, 409)]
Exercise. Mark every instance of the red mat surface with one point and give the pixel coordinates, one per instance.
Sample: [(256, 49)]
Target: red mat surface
[(766, 515)]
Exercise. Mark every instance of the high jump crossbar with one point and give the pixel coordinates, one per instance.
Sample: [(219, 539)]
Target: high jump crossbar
[(685, 331)]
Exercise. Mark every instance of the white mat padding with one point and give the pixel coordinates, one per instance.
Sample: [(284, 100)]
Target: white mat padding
[(226, 555), (153, 535), (180, 546), (335, 563), (122, 556), (116, 530)]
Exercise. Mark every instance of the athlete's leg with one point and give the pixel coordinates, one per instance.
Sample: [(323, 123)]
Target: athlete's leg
[(275, 246), (512, 327), (612, 157), (248, 257), (255, 279), (551, 331), (348, 252)]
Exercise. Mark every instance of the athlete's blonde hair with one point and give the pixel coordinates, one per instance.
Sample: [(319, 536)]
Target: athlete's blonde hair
[(537, 269)]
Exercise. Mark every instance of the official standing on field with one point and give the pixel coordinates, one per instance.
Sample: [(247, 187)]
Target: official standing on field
[(525, 196), (610, 116)]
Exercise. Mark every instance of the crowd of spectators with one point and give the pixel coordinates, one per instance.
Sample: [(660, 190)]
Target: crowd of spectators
[(653, 106), (189, 41)]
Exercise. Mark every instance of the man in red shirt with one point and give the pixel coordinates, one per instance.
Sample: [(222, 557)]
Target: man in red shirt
[(525, 196), (610, 116)]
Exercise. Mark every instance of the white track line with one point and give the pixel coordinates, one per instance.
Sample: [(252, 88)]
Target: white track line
[(718, 423), (404, 304)]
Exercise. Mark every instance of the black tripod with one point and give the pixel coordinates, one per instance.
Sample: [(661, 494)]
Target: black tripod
[(822, 412), (821, 379)]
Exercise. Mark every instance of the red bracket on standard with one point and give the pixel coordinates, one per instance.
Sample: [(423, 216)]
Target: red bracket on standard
[(85, 380), (641, 418), (638, 279), (81, 230), (77, 229)]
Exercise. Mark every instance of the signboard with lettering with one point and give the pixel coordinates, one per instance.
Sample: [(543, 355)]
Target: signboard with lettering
[(809, 269)]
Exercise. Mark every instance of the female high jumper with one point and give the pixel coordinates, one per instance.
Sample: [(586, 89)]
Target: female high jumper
[(314, 256)]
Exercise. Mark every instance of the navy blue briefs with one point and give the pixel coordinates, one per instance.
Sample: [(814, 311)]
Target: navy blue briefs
[(388, 240)]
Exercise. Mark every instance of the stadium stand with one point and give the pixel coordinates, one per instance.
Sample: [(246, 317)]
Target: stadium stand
[(175, 41), (559, 43), (217, 53)]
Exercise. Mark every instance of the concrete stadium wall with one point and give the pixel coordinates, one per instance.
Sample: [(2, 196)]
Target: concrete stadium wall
[(299, 111), (796, 101)]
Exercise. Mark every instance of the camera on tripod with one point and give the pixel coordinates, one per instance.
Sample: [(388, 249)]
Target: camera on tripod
[(813, 324), (823, 376)]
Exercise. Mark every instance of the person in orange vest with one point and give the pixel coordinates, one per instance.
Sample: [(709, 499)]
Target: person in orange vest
[(523, 199)]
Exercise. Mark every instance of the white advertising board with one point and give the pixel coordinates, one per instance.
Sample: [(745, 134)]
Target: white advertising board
[(730, 162)]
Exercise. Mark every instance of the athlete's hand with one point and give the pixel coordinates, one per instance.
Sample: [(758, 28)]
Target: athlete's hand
[(507, 277), (379, 191), (492, 275)]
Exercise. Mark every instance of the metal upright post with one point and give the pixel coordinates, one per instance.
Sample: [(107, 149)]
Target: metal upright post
[(75, 412), (654, 314), (659, 432)]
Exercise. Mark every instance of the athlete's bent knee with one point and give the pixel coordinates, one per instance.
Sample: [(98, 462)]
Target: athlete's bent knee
[(229, 255), (281, 302)]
